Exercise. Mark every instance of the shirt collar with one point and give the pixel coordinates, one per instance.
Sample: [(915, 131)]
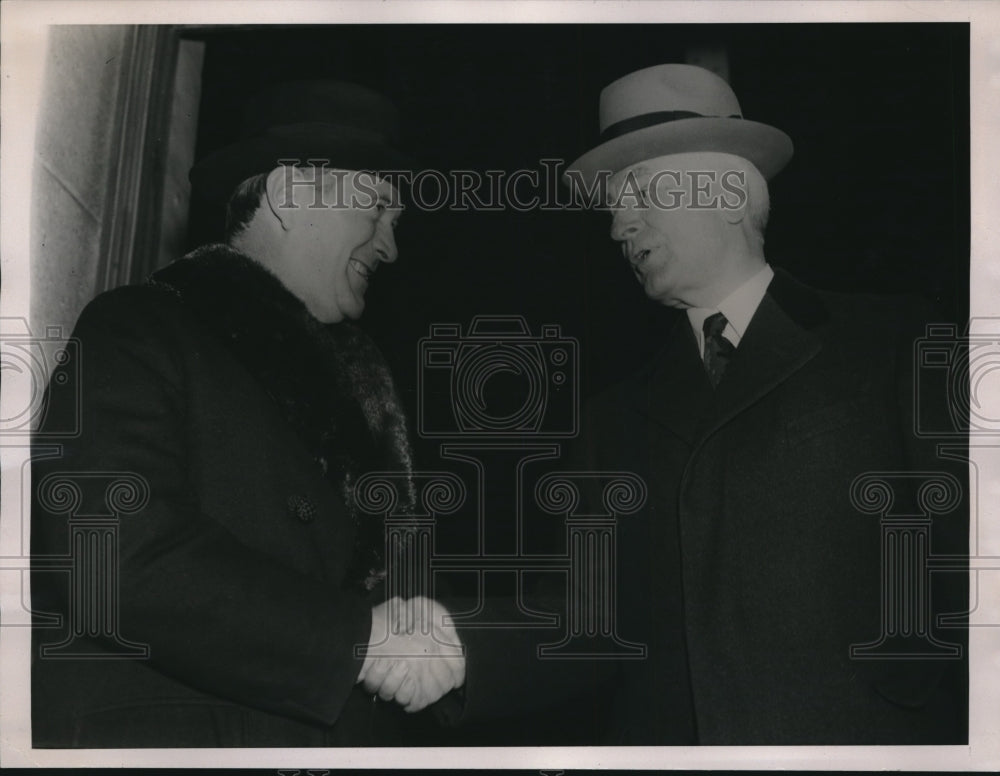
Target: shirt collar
[(739, 307)]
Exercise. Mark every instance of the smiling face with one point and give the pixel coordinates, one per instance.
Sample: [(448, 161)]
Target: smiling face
[(333, 243), (687, 247)]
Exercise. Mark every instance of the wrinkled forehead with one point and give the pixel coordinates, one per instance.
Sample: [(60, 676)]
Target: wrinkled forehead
[(673, 165)]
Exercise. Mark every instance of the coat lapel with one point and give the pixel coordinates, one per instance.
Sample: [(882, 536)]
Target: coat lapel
[(779, 341)]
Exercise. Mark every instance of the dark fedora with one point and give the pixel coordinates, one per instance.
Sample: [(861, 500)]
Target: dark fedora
[(352, 126), (675, 109)]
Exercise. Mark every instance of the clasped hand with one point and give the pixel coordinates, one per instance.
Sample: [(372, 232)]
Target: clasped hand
[(414, 656)]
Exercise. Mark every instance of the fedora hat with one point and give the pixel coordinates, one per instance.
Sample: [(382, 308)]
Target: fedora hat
[(674, 109), (353, 127)]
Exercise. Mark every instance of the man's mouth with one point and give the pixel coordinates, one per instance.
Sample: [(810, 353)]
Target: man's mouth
[(361, 268), (637, 259)]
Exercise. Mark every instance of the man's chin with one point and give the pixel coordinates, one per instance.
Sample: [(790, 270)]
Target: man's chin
[(665, 298), (339, 312), (352, 309)]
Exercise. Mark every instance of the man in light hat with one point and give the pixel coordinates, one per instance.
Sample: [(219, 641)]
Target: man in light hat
[(763, 570), (227, 407)]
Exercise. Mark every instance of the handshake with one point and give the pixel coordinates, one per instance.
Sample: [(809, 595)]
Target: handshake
[(414, 655)]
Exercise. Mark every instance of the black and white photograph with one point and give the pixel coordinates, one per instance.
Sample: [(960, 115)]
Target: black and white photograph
[(501, 385)]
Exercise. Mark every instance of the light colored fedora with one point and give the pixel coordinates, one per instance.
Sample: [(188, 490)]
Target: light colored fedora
[(675, 109)]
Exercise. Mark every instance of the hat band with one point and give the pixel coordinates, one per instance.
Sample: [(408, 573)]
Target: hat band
[(644, 120)]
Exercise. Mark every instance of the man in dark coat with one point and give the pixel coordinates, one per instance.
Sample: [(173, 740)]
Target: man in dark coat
[(778, 573), (223, 585)]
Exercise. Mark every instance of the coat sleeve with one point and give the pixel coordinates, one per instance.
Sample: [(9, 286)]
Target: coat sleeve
[(216, 614)]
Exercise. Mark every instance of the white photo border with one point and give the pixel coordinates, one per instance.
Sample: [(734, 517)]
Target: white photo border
[(23, 50)]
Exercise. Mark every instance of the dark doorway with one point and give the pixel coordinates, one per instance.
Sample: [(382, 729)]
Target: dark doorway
[(875, 199)]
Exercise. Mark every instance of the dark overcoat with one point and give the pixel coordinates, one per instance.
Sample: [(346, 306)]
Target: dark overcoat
[(752, 570), (216, 427)]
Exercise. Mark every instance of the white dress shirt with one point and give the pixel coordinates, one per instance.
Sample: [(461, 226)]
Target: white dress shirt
[(738, 308)]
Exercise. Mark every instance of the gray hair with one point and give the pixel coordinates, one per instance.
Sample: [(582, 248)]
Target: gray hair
[(243, 203), (758, 199)]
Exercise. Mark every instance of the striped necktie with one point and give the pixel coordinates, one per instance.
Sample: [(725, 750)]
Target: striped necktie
[(718, 350)]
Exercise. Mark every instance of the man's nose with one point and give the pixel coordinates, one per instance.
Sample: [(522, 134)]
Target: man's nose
[(385, 245), (624, 224)]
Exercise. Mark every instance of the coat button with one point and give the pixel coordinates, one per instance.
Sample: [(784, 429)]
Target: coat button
[(302, 508)]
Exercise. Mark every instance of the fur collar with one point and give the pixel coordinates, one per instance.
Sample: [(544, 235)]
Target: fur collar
[(330, 382)]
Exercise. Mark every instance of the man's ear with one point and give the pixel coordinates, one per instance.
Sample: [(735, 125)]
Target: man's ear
[(734, 183), (279, 193), (735, 215)]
